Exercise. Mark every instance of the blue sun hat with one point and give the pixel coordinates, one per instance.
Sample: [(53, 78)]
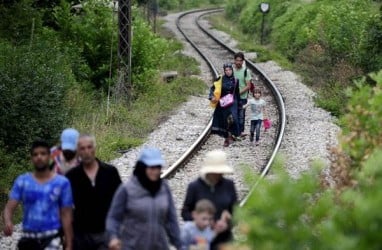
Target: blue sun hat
[(151, 157)]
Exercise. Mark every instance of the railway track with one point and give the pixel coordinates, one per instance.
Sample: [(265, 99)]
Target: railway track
[(215, 52), (185, 158)]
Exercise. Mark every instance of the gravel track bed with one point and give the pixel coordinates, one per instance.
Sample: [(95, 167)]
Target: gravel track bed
[(310, 131)]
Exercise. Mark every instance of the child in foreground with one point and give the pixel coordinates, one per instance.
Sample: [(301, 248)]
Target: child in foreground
[(198, 234)]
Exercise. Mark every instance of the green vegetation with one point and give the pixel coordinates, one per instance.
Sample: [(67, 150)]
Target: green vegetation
[(334, 45), (246, 41), (58, 68), (302, 214), (330, 43)]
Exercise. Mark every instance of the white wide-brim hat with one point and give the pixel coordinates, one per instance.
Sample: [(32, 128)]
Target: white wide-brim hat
[(215, 162)]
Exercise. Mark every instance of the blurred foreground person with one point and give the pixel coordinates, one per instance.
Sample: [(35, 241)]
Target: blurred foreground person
[(47, 204), (198, 234), (93, 184), (65, 155), (142, 215), (219, 190)]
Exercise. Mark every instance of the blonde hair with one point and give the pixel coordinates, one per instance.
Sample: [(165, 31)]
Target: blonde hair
[(205, 205)]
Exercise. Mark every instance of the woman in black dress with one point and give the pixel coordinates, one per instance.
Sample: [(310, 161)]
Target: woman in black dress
[(225, 119)]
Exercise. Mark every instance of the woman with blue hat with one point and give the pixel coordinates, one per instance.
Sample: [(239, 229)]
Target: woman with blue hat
[(142, 215)]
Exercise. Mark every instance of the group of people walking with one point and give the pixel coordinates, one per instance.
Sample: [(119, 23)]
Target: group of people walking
[(229, 120), (73, 200), (79, 202)]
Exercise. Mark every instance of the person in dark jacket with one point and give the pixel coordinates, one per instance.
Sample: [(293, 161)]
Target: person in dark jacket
[(225, 122), (219, 190), (142, 215), (93, 184)]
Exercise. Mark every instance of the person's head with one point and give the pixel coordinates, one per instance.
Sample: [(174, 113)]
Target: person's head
[(228, 69), (148, 169), (152, 162), (215, 165), (86, 148), (257, 93), (69, 141), (40, 155), (239, 59), (203, 213)]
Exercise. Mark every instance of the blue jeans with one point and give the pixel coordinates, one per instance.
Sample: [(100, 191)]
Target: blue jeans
[(242, 102), (255, 126)]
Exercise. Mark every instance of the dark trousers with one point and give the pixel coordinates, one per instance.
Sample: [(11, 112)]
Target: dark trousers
[(242, 102), (255, 126), (39, 244), (90, 241)]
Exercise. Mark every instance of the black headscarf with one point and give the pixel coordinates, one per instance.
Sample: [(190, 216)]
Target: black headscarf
[(228, 80), (151, 186)]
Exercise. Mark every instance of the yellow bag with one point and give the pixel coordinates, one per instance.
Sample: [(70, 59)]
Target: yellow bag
[(217, 92)]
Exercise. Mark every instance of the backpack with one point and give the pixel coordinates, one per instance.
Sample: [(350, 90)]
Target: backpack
[(252, 85), (215, 91)]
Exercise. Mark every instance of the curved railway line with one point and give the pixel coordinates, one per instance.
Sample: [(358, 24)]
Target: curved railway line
[(185, 161), (276, 109)]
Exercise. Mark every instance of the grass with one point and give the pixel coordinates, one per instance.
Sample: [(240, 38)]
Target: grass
[(118, 126)]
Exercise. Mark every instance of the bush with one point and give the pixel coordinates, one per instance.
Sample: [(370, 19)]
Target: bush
[(294, 31), (33, 85), (371, 48), (299, 214), (362, 121), (234, 8), (148, 51), (92, 33), (341, 27), (18, 20)]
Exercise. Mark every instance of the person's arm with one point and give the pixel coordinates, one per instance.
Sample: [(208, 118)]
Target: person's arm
[(66, 213), (246, 88), (15, 197), (9, 210), (264, 111), (246, 105), (172, 226), (118, 179), (189, 203), (247, 79), (66, 220), (115, 217)]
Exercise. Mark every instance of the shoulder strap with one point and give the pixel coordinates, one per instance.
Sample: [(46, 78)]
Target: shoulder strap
[(245, 73)]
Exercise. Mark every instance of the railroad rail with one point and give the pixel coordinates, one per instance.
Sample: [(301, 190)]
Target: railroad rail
[(250, 65), (204, 137)]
